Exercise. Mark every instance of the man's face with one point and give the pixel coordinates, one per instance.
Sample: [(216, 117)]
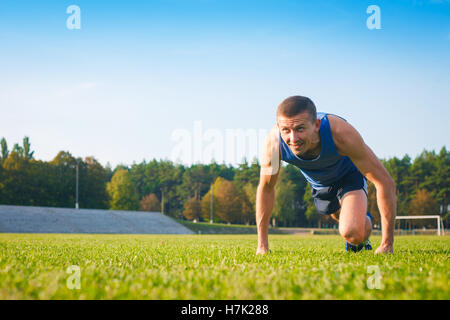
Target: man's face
[(299, 133)]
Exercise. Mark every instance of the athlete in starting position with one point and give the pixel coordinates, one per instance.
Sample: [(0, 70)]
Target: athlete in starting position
[(334, 159)]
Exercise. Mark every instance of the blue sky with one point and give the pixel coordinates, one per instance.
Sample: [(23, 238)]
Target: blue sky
[(137, 71)]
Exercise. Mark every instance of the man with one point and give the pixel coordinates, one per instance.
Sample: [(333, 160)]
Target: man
[(334, 159)]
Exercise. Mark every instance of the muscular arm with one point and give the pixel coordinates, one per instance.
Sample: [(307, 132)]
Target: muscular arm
[(350, 143), (265, 195)]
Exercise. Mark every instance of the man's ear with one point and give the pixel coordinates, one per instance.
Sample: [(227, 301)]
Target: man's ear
[(317, 124)]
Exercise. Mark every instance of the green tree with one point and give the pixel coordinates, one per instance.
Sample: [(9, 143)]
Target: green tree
[(27, 153), (311, 213), (250, 193), (294, 175), (196, 181), (230, 203), (441, 179), (247, 205), (17, 181), (421, 170), (92, 186), (2, 184), (146, 177), (5, 151), (122, 191), (221, 170), (399, 169), (423, 204), (284, 206), (246, 173), (62, 179)]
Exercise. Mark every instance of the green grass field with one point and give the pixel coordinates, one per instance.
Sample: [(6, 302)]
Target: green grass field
[(33, 266)]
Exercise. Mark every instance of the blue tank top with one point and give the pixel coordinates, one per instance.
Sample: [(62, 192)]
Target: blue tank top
[(328, 167)]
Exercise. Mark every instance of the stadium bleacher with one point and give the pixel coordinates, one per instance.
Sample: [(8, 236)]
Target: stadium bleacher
[(28, 219)]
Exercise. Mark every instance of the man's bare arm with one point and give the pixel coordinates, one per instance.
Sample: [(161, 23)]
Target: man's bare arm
[(350, 143), (265, 195)]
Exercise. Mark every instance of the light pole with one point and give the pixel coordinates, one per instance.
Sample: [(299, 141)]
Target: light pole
[(211, 205), (162, 201), (76, 192)]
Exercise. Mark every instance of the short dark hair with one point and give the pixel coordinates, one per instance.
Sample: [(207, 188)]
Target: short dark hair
[(295, 105)]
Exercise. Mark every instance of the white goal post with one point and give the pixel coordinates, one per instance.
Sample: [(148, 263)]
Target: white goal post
[(440, 224)]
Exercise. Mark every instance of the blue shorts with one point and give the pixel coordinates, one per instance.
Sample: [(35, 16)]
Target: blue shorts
[(326, 199)]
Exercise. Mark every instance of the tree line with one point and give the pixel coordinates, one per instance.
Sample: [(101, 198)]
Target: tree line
[(204, 192)]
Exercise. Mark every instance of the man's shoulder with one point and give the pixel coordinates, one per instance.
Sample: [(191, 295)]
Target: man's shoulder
[(274, 129), (336, 121), (331, 116), (273, 134), (270, 161), (343, 133)]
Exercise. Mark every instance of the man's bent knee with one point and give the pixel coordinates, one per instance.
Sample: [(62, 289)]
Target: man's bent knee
[(353, 235)]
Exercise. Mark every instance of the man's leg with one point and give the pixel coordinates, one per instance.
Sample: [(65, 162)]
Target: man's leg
[(354, 226)]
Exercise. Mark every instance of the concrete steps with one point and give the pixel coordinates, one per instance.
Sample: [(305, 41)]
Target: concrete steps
[(27, 219)]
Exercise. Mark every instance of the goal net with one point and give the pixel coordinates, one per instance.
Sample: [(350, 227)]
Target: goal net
[(437, 220)]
